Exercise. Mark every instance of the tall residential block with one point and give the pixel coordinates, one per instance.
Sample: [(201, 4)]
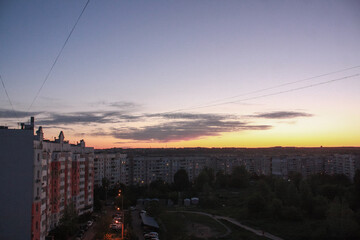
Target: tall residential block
[(42, 178)]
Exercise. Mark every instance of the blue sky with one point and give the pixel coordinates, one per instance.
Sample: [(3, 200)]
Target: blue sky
[(127, 60)]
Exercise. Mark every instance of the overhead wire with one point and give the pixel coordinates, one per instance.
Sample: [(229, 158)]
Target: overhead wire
[(269, 88), (8, 97), (59, 54), (267, 95)]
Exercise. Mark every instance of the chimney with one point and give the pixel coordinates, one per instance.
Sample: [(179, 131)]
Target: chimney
[(32, 122)]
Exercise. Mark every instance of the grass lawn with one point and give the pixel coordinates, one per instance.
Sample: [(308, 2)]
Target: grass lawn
[(173, 226), (189, 226), (240, 233), (178, 226), (309, 229)]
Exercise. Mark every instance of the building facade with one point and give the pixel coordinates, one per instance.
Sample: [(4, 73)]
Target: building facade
[(63, 176), (54, 175), (142, 170)]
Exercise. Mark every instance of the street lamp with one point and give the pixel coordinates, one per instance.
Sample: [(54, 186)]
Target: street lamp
[(122, 209)]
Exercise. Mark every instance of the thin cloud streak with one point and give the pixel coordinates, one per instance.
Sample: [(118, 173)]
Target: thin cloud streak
[(123, 105), (281, 115), (86, 118)]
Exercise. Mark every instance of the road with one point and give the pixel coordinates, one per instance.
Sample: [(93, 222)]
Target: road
[(90, 233), (136, 224)]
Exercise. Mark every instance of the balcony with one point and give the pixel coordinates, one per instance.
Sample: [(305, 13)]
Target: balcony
[(43, 207)]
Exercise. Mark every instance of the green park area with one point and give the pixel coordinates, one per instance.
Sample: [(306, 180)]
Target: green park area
[(182, 225), (318, 207)]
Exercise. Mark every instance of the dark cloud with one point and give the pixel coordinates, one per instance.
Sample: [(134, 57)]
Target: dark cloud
[(6, 113), (86, 118), (281, 115), (57, 127), (173, 126), (184, 130)]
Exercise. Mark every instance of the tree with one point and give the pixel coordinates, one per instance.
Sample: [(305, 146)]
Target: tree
[(291, 213), (306, 197), (295, 178), (68, 223), (256, 205), (240, 177), (181, 180), (105, 184), (280, 188), (97, 202), (153, 208), (276, 208), (263, 188), (222, 180), (357, 190), (292, 198), (341, 221), (205, 180), (158, 189)]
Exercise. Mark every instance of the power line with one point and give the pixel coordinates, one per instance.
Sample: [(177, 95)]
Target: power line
[(12, 107), (57, 57), (270, 88), (270, 94)]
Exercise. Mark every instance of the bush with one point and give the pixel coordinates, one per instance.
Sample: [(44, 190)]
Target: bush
[(291, 214), (256, 205)]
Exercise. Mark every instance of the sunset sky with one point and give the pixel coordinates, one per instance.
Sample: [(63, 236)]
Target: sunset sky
[(184, 73)]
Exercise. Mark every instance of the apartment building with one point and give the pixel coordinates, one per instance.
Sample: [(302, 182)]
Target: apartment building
[(56, 173), (341, 164), (64, 175), (16, 182), (112, 166), (259, 165), (142, 170)]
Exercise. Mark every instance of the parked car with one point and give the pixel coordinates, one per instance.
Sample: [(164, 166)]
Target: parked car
[(80, 235), (115, 226), (90, 223), (151, 235), (83, 227)]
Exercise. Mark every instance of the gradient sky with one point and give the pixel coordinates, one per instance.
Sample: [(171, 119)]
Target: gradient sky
[(184, 73)]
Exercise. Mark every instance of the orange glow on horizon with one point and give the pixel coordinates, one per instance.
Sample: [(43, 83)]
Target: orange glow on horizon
[(235, 140)]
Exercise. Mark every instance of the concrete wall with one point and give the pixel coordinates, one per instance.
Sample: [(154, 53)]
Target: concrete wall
[(16, 183)]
